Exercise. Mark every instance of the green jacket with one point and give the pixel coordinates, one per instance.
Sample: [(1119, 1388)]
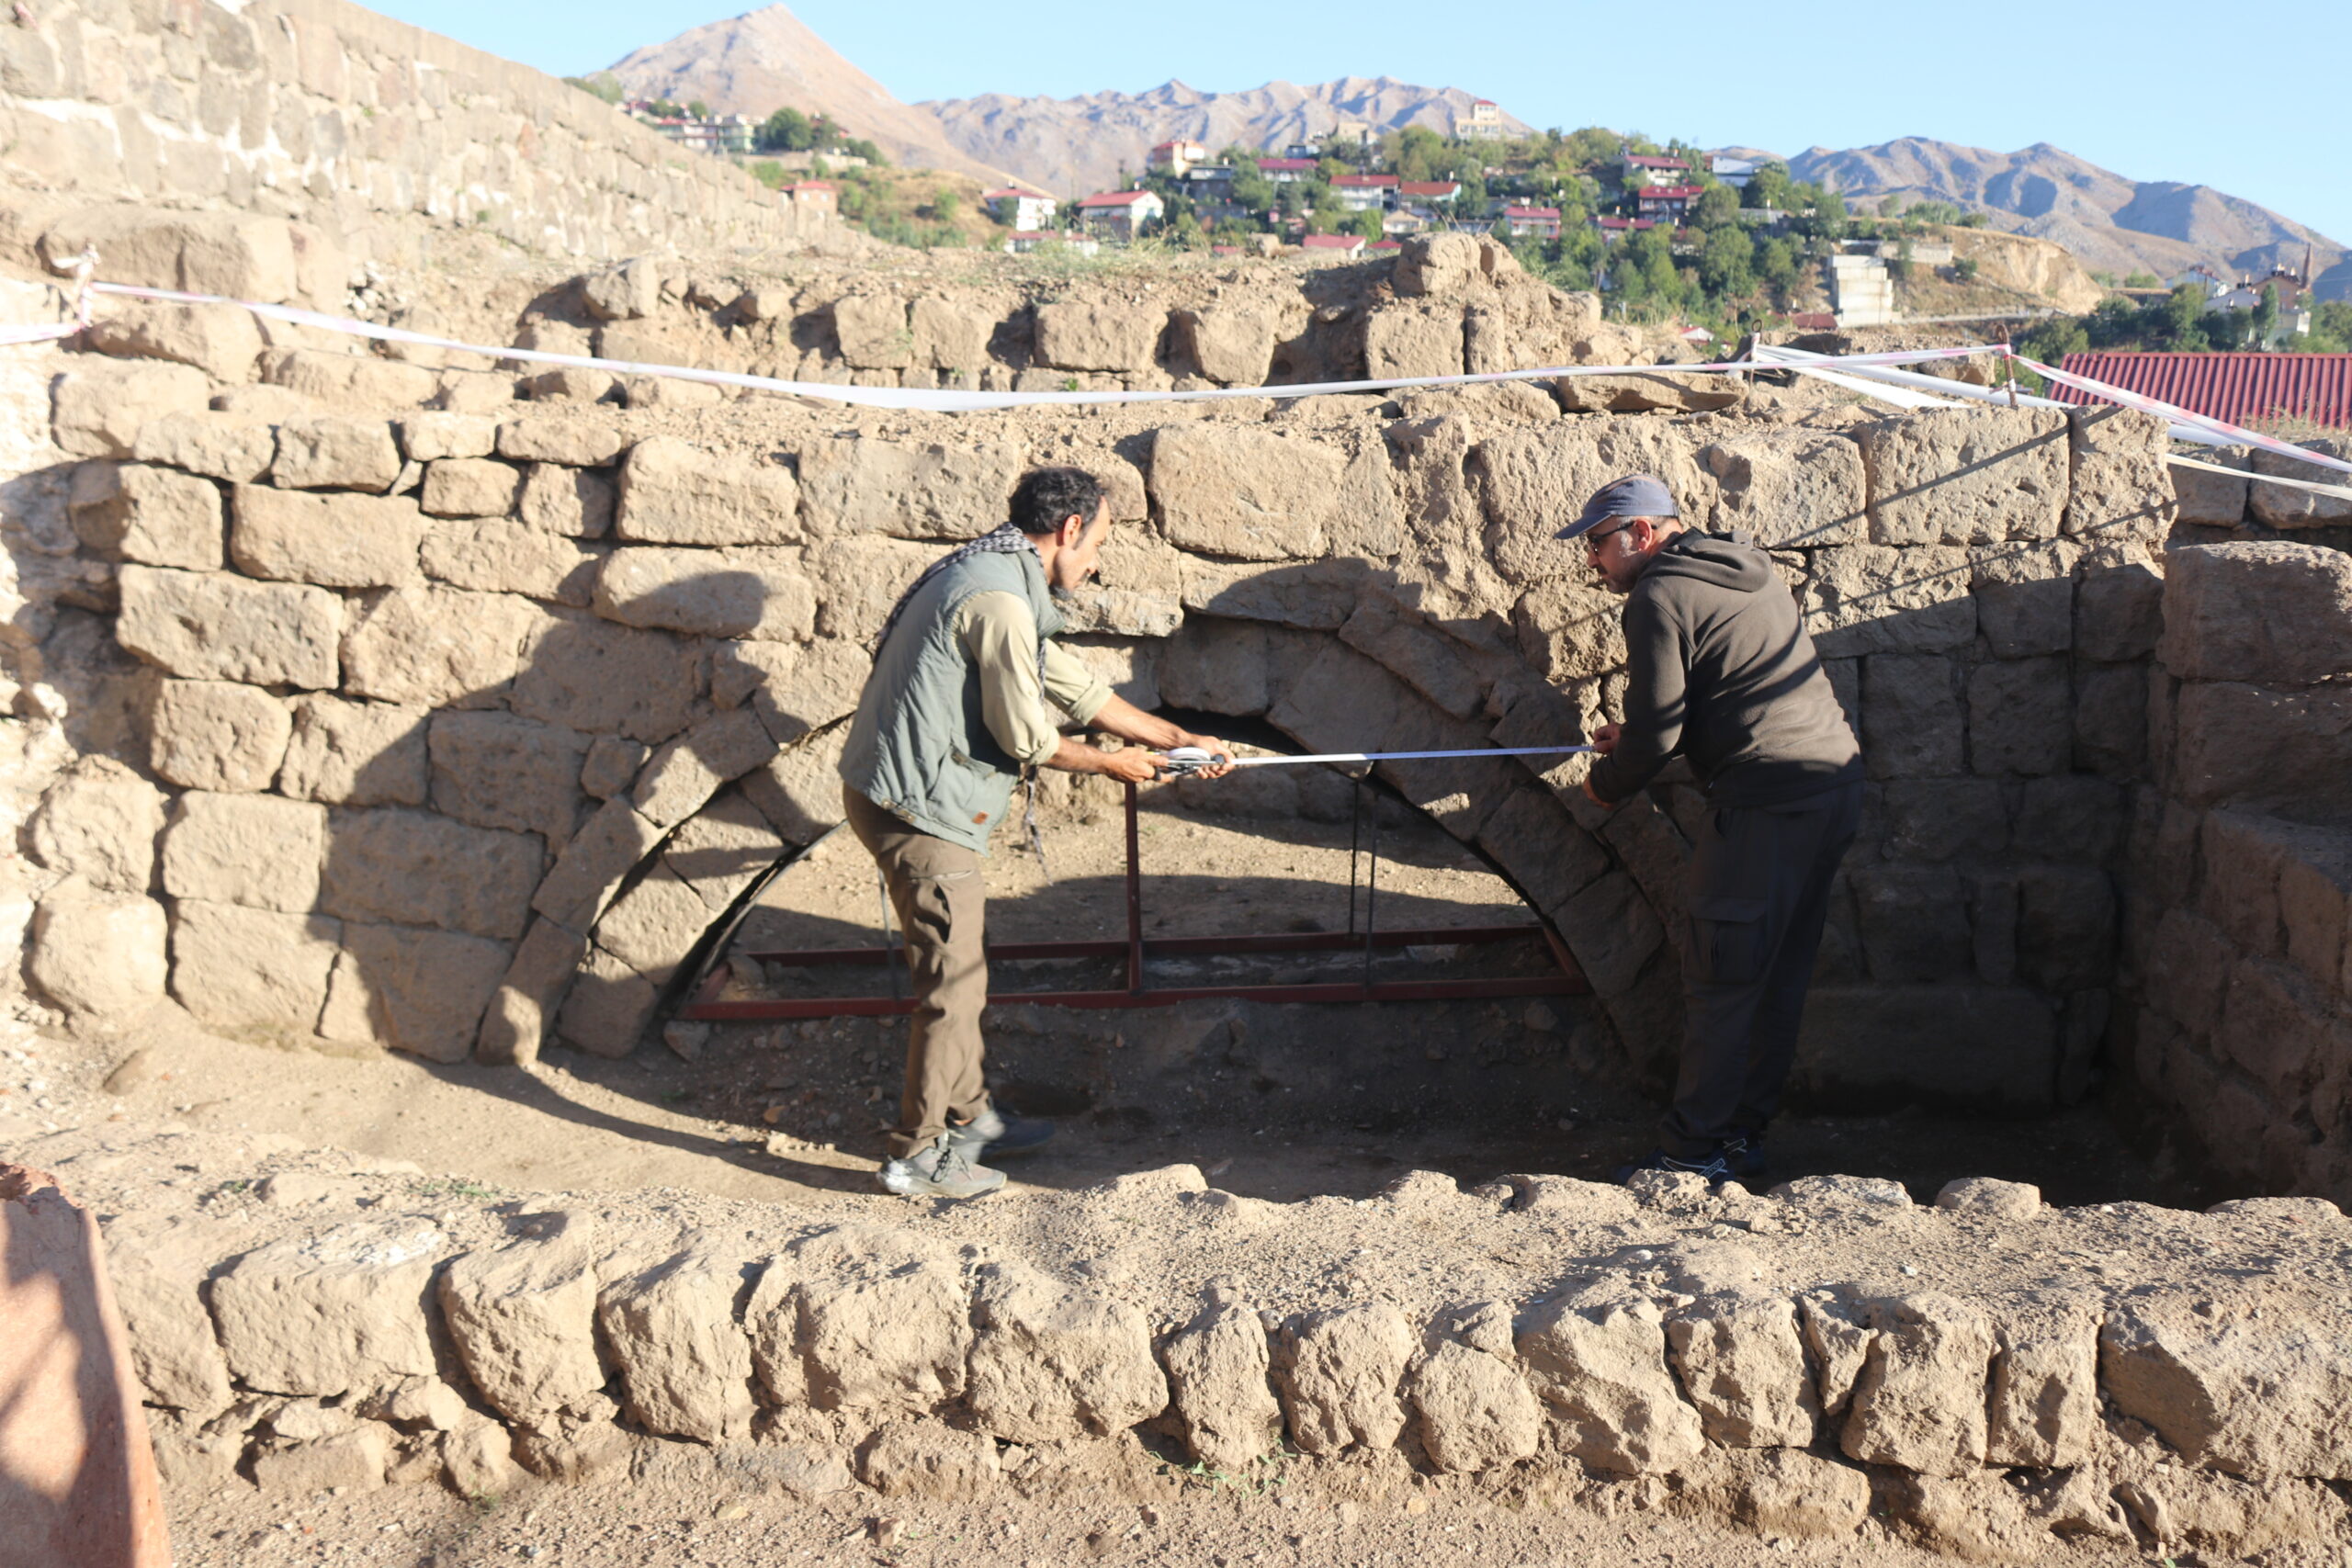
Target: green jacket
[(919, 747)]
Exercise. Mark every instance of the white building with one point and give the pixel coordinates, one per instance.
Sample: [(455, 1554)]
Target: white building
[(1483, 123), (1120, 214), (1861, 293), (1024, 209)]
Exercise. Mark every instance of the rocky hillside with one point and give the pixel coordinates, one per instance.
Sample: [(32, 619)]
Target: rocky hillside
[(2111, 222), (1072, 145), (769, 60)]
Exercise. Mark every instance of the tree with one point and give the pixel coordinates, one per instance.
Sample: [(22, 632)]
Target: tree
[(786, 130), (2051, 341), (697, 110), (1726, 264), (603, 84), (1776, 264), (1769, 186), (1717, 208), (1252, 189)]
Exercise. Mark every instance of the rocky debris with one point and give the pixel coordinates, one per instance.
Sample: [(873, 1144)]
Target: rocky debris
[(2229, 1389), (1339, 1371), (1219, 1370), (1048, 1362), (684, 1359), (96, 953), (523, 1319), (1599, 1367)]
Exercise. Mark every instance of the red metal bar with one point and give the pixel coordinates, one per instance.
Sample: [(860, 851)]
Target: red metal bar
[(1135, 898), (1178, 946), (1168, 996)]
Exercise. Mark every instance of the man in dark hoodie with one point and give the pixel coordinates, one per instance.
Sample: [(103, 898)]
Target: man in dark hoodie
[(1719, 670)]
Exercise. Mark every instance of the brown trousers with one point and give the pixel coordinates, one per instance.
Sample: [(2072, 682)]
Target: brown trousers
[(935, 888)]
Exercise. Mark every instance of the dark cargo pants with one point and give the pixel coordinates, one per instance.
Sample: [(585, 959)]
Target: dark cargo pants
[(935, 889), (1759, 894)]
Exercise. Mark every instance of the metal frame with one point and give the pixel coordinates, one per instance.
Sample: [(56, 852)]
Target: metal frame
[(1139, 951)]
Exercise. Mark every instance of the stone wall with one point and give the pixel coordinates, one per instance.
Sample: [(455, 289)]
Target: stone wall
[(328, 114), (314, 1325), (455, 732), (2241, 1032)]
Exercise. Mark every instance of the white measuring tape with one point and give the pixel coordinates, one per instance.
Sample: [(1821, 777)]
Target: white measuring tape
[(1180, 761)]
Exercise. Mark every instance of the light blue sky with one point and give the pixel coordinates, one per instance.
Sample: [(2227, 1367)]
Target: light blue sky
[(2162, 91)]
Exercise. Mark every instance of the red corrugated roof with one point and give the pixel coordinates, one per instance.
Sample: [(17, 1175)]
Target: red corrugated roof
[(1430, 187), (2234, 386), (1551, 212), (1331, 243)]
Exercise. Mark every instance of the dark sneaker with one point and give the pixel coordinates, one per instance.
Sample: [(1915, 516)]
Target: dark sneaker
[(1713, 1168), (998, 1133), (939, 1169), (1744, 1154)]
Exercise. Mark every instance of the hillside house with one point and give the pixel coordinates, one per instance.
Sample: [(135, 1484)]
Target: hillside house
[(1733, 172), (1615, 229), (1665, 204), (1650, 168), (1345, 246), (1209, 181), (820, 197), (1286, 170), (1176, 156), (1403, 221), (1531, 223), (1416, 193), (1363, 193), (1023, 209), (1120, 214), (1483, 123)]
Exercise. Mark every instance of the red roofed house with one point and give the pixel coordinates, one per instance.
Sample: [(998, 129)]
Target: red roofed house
[(1024, 210), (2238, 388), (1483, 123), (1120, 214), (1333, 245), (1533, 222), (1618, 228), (1428, 190), (815, 196), (1363, 193), (1176, 156), (1669, 203), (1285, 171)]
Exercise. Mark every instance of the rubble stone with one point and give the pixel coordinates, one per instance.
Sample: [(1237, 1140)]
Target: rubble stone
[(673, 494), (430, 437), (523, 1319), (1218, 1372), (97, 953), (1338, 1369), (571, 502), (925, 1459), (336, 541), (132, 512), (684, 1359), (254, 849), (215, 735), (1230, 345), (1600, 1368), (1049, 1363), (99, 407), (471, 487), (556, 438), (2044, 1411), (99, 821), (1743, 1361), (348, 753), (1474, 1412), (1919, 1401), (337, 1313), (158, 1271), (218, 627), (218, 445), (2227, 1388)]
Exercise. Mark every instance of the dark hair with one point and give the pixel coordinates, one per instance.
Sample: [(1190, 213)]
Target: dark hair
[(1045, 496)]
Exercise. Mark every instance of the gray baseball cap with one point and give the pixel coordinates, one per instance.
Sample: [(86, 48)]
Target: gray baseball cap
[(1635, 495)]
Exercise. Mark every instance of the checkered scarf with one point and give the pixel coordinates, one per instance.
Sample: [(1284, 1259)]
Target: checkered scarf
[(1002, 540)]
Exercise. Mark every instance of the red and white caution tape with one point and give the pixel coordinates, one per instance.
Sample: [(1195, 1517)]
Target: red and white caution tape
[(1183, 759)]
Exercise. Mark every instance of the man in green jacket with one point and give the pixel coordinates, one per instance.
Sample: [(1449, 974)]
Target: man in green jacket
[(1720, 670), (954, 711)]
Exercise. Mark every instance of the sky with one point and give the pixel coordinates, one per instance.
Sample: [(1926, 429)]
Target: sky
[(2158, 92)]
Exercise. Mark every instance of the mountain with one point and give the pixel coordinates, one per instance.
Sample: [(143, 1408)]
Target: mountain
[(2112, 223), (1071, 146), (768, 60)]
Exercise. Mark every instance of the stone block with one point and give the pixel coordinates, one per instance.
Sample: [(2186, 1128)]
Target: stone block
[(858, 579), (2119, 608), (1231, 344), (1919, 1401), (721, 848), (158, 1271), (2277, 1027), (863, 1320), (2111, 720), (1099, 335), (861, 485), (949, 335), (2280, 507), (1912, 721), (690, 769), (1337, 1370), (251, 849), (573, 501), (1880, 1047), (471, 487), (431, 437), (360, 381), (2217, 1378), (721, 593), (219, 340), (355, 1461), (132, 512), (800, 792), (413, 868), (1974, 476), (99, 822), (98, 407), (624, 293), (925, 1459), (2209, 500), (1432, 663), (2070, 817), (1797, 1496), (2020, 716), (2119, 485), (2025, 596), (498, 769), (218, 627), (2065, 926), (1611, 931), (603, 679), (338, 1313), (609, 845), (1218, 665), (437, 647), (491, 555), (1413, 340), (1339, 698), (1051, 1363), (685, 1365), (671, 493), (653, 926), (2315, 907), (1990, 1198), (218, 445), (350, 753), (1863, 599), (240, 968), (421, 991), (573, 440), (2272, 612), (873, 331), (336, 541), (609, 1004), (327, 452), (1942, 819), (1219, 1374), (233, 254), (611, 765), (1246, 494), (516, 1022), (1471, 1411), (1136, 591), (2264, 749), (1789, 489), (97, 953), (1599, 1367), (215, 735), (794, 688), (1914, 922), (1743, 1361)]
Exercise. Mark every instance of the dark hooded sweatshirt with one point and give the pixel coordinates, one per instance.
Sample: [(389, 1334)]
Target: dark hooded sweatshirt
[(1719, 670)]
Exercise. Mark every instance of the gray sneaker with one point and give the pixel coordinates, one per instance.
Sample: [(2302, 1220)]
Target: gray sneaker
[(939, 1169), (994, 1132)]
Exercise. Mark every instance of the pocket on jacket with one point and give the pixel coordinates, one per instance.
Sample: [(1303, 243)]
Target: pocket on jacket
[(1727, 940)]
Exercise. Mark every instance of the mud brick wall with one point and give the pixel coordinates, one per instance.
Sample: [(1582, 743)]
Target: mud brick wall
[(455, 732), (328, 113), (1650, 1363), (2241, 1031)]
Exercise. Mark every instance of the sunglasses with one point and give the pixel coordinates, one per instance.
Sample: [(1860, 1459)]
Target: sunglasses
[(1592, 540)]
